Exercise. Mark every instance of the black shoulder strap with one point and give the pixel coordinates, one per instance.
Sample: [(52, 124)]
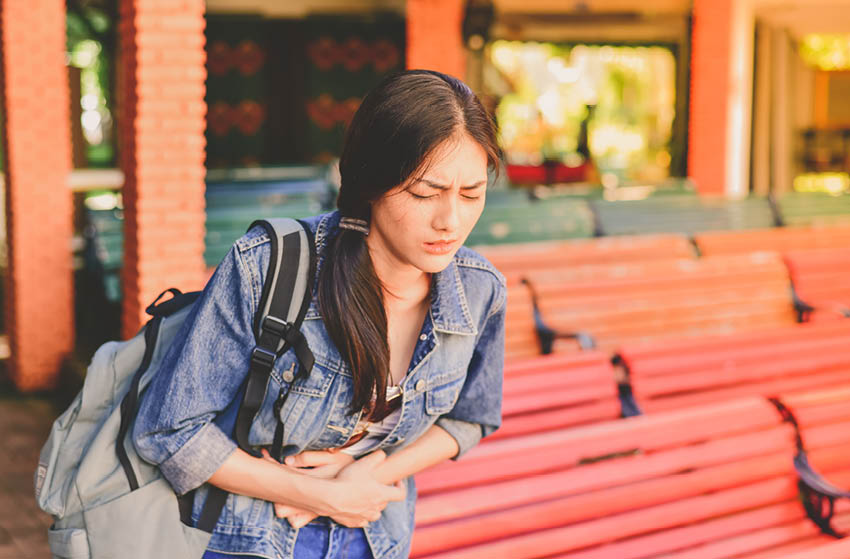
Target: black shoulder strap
[(286, 296), (277, 324)]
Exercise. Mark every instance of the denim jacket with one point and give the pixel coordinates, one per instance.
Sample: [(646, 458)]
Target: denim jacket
[(454, 380)]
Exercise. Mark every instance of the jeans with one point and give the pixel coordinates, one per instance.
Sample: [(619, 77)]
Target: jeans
[(321, 539)]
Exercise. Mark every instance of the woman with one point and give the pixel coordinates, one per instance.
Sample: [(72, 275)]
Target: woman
[(407, 327)]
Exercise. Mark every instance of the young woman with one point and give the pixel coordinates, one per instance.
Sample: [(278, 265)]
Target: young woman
[(406, 325)]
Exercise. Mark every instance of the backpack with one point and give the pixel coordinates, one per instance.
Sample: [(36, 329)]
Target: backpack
[(106, 501)]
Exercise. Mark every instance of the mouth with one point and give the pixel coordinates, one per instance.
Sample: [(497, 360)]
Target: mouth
[(440, 247)]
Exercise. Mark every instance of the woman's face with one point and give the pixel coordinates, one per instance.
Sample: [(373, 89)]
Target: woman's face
[(424, 223)]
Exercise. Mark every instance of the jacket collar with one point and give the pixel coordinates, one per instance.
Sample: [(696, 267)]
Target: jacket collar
[(449, 306)]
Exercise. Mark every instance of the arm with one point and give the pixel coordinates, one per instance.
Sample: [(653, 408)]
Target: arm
[(354, 497), (182, 423), (433, 447)]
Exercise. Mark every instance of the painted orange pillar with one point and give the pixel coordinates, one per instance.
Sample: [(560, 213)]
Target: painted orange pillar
[(434, 36), (36, 107), (721, 96), (161, 127)]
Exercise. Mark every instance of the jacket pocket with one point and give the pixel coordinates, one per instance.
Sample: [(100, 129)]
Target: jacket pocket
[(443, 391)]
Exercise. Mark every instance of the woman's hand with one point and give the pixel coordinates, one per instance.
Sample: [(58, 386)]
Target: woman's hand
[(358, 498), (320, 463), (317, 463)]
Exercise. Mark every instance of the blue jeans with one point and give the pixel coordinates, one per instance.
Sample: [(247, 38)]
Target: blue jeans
[(321, 539)]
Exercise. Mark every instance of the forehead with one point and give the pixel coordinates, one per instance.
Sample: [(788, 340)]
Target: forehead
[(458, 158)]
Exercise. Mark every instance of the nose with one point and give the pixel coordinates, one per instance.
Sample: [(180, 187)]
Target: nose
[(447, 217)]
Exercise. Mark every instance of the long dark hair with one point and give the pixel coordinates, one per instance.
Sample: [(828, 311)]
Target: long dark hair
[(390, 137)]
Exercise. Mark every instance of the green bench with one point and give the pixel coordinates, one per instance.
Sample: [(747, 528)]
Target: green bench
[(512, 217), (814, 208), (682, 213)]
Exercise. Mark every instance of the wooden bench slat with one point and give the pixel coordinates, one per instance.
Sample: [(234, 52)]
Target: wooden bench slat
[(713, 352), (464, 502), (642, 547), (769, 388), (544, 543), (748, 373), (550, 451), (834, 550), (547, 420), (759, 540)]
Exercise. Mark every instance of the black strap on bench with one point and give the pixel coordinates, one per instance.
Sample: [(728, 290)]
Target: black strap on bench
[(628, 405), (775, 211), (818, 494), (547, 335), (805, 310)]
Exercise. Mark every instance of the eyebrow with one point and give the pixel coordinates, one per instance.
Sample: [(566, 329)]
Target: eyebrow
[(445, 187)]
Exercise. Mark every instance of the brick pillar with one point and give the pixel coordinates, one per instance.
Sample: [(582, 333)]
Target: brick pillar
[(37, 137), (161, 131), (721, 96), (434, 36)]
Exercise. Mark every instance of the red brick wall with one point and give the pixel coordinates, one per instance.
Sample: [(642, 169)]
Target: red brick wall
[(710, 82), (161, 126), (37, 136), (434, 36)]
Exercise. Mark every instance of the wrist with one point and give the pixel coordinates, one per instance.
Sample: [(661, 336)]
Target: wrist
[(317, 494)]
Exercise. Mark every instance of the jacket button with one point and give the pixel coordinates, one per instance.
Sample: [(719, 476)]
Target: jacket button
[(420, 385), (423, 337), (288, 375)]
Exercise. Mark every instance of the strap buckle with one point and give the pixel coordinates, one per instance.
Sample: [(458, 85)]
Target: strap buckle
[(276, 326), (263, 358)]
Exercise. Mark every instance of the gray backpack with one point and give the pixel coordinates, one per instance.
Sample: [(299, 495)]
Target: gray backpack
[(106, 501)]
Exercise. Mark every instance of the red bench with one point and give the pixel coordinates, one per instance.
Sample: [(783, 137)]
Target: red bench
[(833, 550), (637, 302), (780, 239), (556, 391), (516, 260), (712, 481), (820, 282), (823, 418), (686, 372)]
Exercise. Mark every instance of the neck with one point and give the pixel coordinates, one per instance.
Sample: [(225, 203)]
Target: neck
[(400, 282)]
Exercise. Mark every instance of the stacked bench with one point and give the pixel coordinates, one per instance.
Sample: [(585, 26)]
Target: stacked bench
[(550, 259), (706, 482), (682, 214), (639, 302), (557, 391), (817, 258), (820, 279), (682, 373)]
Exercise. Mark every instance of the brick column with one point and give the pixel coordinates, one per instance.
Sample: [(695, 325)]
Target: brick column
[(434, 36), (161, 131), (37, 138), (721, 96)]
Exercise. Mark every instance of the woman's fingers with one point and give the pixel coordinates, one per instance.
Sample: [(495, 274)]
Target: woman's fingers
[(396, 491), (301, 519), (282, 511), (266, 456)]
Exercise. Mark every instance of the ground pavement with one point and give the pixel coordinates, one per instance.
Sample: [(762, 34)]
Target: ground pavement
[(24, 424)]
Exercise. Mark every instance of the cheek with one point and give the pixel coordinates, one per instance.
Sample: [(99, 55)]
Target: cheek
[(471, 214), (402, 217)]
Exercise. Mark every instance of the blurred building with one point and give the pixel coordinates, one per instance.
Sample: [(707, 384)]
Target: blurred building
[(165, 98)]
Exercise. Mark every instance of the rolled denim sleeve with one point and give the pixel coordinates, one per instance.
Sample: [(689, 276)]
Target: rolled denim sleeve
[(478, 411), (200, 375)]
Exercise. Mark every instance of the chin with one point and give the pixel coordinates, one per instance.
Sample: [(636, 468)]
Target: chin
[(432, 264)]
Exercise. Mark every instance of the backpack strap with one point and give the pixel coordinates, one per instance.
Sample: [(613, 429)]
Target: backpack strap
[(286, 297), (277, 325)]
